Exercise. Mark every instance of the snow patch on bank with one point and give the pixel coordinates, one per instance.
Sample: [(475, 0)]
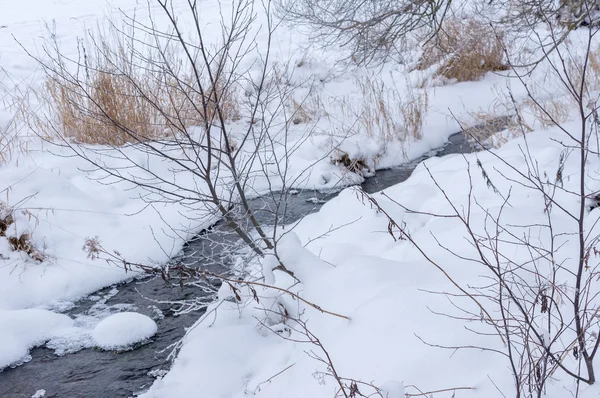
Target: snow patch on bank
[(383, 285), (22, 330)]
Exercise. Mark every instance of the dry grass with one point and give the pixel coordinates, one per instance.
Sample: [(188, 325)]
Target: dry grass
[(106, 111), (6, 139), (575, 65), (485, 129), (414, 111), (548, 104), (465, 50), (308, 110), (527, 115), (384, 114), (21, 243), (118, 100), (550, 112), (378, 115), (6, 145), (493, 127), (388, 116)]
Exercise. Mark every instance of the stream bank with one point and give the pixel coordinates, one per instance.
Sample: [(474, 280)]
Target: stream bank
[(93, 373)]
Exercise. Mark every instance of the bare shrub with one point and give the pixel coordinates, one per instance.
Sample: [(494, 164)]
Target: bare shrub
[(372, 30), (541, 302), (464, 50)]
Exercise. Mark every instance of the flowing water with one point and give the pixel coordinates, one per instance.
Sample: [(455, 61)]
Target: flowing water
[(92, 373)]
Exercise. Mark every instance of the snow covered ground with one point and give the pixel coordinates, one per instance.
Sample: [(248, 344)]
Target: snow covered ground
[(61, 205), (384, 286)]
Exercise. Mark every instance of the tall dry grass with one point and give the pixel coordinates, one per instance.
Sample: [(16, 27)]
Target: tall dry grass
[(116, 99), (464, 50), (383, 113), (389, 114), (309, 109), (6, 140)]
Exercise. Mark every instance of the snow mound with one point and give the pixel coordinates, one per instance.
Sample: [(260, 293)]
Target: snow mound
[(122, 330), (22, 330), (39, 394)]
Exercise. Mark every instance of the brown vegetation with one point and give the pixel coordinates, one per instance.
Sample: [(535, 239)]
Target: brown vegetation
[(464, 50)]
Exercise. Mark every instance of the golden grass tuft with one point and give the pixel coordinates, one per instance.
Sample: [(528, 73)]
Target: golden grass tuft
[(106, 111), (115, 100), (464, 50)]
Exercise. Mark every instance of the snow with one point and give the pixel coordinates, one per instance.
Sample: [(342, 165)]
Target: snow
[(24, 329), (123, 330), (114, 326), (392, 389), (383, 285), (39, 394)]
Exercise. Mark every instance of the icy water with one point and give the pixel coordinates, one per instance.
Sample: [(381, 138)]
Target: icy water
[(91, 373)]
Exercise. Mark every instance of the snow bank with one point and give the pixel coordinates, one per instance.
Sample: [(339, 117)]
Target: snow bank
[(123, 330), (356, 271), (383, 285), (22, 330)]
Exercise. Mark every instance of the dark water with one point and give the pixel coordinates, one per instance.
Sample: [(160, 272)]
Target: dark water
[(91, 373)]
